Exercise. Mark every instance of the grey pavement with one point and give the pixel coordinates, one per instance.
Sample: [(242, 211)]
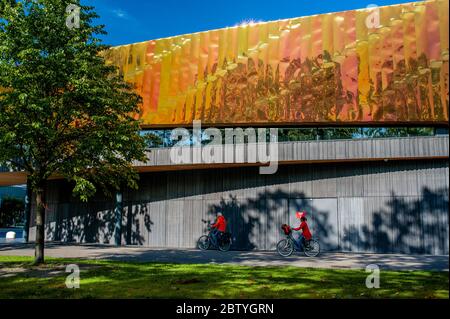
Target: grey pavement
[(249, 258)]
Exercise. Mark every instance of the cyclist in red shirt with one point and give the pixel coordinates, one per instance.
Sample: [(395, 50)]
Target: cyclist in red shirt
[(305, 235), (219, 227)]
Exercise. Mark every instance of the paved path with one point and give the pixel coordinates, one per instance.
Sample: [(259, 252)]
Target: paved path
[(250, 258)]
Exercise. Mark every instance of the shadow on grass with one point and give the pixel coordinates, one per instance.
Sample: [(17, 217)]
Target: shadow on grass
[(108, 279)]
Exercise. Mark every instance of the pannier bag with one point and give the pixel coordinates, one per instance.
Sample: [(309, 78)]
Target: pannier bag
[(286, 229)]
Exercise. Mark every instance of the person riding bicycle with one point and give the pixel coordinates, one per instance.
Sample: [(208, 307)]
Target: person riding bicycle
[(305, 235), (219, 228)]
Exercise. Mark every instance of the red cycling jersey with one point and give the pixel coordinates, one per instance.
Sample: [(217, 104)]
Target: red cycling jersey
[(306, 233), (221, 224)]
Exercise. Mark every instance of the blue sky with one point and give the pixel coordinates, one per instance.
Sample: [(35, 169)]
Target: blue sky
[(129, 21)]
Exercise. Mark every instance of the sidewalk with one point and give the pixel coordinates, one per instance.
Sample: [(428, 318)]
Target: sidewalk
[(248, 258)]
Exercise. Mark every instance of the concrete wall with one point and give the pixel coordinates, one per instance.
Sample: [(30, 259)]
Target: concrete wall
[(375, 206)]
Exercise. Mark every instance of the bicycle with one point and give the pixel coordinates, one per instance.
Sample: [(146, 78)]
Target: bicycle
[(223, 242), (286, 246)]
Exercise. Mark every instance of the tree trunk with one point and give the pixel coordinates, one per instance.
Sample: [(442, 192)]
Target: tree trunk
[(40, 222)]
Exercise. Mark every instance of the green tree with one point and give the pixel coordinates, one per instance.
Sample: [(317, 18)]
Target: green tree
[(153, 139), (63, 111), (398, 131)]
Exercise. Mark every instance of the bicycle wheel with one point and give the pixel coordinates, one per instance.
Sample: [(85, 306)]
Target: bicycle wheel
[(313, 250), (285, 247), (225, 244), (203, 242)]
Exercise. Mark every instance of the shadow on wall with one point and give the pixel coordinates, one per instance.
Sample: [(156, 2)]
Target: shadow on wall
[(416, 225), (92, 222), (138, 224), (403, 224), (95, 223), (256, 223), (397, 224)]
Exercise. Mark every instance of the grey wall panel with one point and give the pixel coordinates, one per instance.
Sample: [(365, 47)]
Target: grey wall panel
[(376, 229), (300, 181), (352, 149), (351, 223), (313, 149), (158, 191), (302, 150), (324, 180), (103, 222), (188, 220), (198, 213), (324, 222), (255, 183), (61, 229), (157, 224), (192, 225), (432, 176), (350, 181), (213, 183), (328, 150), (234, 184), (136, 223), (276, 184), (255, 217), (377, 180), (396, 148), (174, 223), (176, 184), (406, 227), (277, 215), (370, 206), (341, 151), (434, 218), (441, 175), (193, 184), (51, 221), (442, 146), (404, 177)]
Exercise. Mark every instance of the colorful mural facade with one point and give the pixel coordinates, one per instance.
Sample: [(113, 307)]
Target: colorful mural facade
[(364, 66)]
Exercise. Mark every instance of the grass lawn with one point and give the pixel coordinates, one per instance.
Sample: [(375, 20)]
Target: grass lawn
[(112, 279)]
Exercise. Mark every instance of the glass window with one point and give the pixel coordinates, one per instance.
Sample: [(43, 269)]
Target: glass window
[(441, 131), (421, 131), (153, 138), (161, 138)]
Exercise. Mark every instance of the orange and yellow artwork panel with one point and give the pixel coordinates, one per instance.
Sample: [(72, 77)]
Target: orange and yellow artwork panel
[(373, 65)]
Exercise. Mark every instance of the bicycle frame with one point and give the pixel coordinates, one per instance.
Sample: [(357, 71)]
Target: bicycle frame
[(221, 242), (213, 243), (297, 246)]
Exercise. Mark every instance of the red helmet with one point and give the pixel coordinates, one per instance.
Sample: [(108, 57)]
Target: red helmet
[(300, 215)]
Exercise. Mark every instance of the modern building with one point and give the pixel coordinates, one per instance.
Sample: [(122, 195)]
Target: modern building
[(359, 101), (15, 191)]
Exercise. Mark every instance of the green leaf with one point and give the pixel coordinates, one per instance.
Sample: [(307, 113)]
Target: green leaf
[(67, 110)]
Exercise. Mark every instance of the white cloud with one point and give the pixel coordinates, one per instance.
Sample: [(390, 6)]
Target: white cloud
[(120, 14)]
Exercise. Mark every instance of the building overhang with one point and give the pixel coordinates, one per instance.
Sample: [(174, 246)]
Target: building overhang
[(302, 152)]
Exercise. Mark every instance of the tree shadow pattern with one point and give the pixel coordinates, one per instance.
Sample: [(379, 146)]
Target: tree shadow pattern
[(382, 224)]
